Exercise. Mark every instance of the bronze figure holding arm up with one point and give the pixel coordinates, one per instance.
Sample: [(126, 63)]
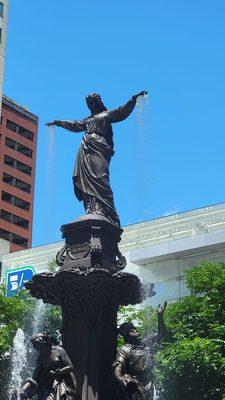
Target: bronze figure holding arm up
[(91, 172), (133, 367)]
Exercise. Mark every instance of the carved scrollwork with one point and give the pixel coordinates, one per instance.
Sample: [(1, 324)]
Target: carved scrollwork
[(121, 261), (90, 287), (92, 246), (61, 256)]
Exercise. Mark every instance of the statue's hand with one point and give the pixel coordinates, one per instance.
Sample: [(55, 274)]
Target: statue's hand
[(128, 382), (52, 373), (57, 372), (124, 380), (50, 123), (143, 93), (132, 386), (161, 308)]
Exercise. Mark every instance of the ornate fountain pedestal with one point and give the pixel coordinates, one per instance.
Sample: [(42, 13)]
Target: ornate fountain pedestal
[(89, 287)]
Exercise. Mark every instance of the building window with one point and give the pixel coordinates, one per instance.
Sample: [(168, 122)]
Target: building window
[(19, 129), (11, 162), (1, 9), (18, 147), (7, 197), (5, 215), (4, 234), (20, 241), (26, 169), (10, 180), (11, 125), (10, 143), (14, 219), (24, 150), (15, 201), (23, 223), (12, 237)]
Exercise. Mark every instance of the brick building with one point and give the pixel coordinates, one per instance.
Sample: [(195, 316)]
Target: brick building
[(18, 141)]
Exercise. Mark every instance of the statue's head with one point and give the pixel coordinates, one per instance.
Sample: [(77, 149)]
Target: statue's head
[(129, 332), (43, 340), (94, 103)]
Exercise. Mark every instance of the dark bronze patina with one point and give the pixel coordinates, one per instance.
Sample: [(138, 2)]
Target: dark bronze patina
[(91, 172), (53, 378), (90, 284), (133, 367)]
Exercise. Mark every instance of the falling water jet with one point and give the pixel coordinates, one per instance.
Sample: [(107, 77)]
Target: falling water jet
[(36, 327), (155, 394), (142, 141), (19, 361), (49, 179), (50, 158), (38, 320), (51, 130), (22, 357)]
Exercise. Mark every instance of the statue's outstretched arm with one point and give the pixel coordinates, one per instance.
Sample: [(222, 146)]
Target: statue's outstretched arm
[(121, 113), (73, 126)]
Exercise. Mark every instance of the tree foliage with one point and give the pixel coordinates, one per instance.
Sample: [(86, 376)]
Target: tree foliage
[(13, 311), (17, 312), (191, 365), (52, 320)]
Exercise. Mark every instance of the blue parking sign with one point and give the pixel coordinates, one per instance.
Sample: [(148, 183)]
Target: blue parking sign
[(16, 278)]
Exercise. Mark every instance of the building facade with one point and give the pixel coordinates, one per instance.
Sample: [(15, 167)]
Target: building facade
[(18, 142), (157, 251), (3, 29)]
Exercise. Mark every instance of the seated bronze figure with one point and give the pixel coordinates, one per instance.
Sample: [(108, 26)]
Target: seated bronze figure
[(53, 378)]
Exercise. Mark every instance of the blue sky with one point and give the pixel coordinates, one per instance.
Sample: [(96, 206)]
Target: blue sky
[(169, 159)]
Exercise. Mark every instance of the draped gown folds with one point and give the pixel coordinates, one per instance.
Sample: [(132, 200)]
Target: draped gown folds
[(91, 171)]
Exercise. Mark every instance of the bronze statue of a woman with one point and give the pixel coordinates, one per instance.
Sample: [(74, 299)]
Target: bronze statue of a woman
[(53, 378), (91, 172)]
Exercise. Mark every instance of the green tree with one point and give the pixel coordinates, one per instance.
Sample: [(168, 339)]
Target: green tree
[(13, 311), (52, 320), (191, 365)]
